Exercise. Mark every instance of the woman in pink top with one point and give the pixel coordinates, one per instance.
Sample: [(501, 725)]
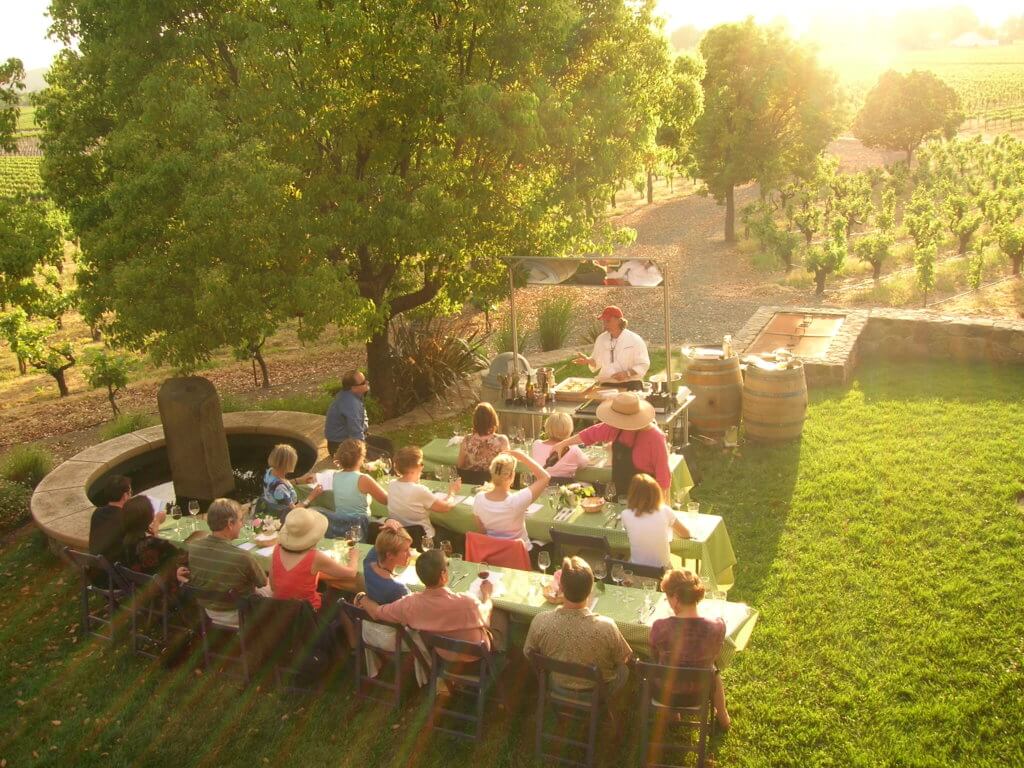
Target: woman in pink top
[(637, 443), (296, 564), (561, 465)]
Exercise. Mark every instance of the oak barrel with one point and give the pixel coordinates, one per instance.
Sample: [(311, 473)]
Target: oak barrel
[(717, 385), (774, 402)]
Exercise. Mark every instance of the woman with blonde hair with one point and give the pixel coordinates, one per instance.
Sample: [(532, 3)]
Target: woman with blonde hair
[(561, 464), (279, 495), (499, 512), (410, 502), (687, 639), (649, 523), (480, 446)]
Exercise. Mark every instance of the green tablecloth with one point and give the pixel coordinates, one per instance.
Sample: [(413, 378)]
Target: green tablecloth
[(519, 594), (710, 545), (438, 453)]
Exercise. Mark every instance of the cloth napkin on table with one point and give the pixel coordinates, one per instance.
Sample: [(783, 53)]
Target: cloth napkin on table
[(495, 579)]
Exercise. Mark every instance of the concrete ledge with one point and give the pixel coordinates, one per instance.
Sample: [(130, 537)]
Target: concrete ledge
[(61, 508)]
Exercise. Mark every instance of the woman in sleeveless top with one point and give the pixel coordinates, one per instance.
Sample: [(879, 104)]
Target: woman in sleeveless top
[(297, 565), (478, 449), (352, 488)]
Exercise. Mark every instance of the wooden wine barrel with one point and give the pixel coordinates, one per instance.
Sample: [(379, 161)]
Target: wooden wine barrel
[(717, 385), (774, 403)]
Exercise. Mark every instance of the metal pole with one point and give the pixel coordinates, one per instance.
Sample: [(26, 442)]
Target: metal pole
[(668, 330), (515, 330)]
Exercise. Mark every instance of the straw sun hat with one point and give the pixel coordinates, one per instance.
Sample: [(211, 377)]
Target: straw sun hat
[(626, 411), (302, 529)]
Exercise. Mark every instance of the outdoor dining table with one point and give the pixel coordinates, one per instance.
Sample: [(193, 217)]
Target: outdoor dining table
[(520, 593), (444, 452), (710, 545)]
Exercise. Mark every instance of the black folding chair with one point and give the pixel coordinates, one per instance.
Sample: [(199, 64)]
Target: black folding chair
[(220, 642), (286, 639), (586, 705), (590, 548), (691, 711), (101, 580), (642, 571), (474, 476), (400, 658), (155, 613), (472, 677)]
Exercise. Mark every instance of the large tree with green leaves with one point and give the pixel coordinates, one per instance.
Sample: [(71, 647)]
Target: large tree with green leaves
[(12, 83), (902, 110), (769, 109), (229, 166)]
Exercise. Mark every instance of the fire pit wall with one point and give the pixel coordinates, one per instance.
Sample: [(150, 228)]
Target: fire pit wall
[(899, 334)]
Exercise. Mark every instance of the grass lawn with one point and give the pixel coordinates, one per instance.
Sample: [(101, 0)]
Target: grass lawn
[(883, 552)]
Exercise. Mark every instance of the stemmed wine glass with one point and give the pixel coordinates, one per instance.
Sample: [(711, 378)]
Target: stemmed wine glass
[(544, 562), (618, 574), (353, 535), (611, 493), (446, 547), (426, 543), (176, 512), (600, 570), (193, 507)]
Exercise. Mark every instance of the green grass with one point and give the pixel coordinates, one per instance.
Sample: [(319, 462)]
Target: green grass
[(883, 552), (126, 423)]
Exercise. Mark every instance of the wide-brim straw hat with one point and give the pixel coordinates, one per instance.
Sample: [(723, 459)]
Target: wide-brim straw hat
[(626, 411), (302, 529)]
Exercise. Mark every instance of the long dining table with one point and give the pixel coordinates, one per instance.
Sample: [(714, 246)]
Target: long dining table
[(710, 545), (521, 593)]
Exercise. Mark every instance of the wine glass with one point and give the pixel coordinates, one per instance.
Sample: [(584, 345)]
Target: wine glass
[(618, 574), (385, 462), (544, 561), (600, 570), (176, 512), (193, 507), (611, 493), (426, 543), (353, 535), (446, 547)]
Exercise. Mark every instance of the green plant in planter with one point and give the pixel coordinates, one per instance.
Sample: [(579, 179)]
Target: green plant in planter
[(554, 320)]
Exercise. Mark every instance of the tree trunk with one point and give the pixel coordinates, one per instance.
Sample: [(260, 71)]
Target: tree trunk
[(787, 260), (379, 370), (614, 193), (62, 385), (910, 155), (95, 333), (22, 366), (257, 355), (876, 270), (113, 401), (965, 240), (819, 282), (59, 322), (730, 216), (650, 187), (1017, 263)]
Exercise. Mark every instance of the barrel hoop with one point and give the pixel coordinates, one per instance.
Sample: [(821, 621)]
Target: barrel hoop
[(772, 424), (775, 395)]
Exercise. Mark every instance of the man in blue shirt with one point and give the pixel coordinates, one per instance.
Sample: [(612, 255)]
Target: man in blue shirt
[(347, 417)]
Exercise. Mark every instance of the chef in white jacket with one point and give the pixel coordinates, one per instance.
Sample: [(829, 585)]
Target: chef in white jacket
[(620, 356)]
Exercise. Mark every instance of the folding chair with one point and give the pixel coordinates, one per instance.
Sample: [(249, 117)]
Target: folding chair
[(692, 713), (285, 638), (643, 571), (476, 681), (224, 635), (153, 610), (401, 658), (506, 553), (587, 705), (474, 476), (590, 548), (98, 578)]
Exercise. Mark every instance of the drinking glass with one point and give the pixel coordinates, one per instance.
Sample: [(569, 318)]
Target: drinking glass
[(385, 461), (600, 570), (693, 508), (618, 574), (176, 512), (353, 535), (627, 577), (483, 570), (427, 543), (446, 547), (719, 594), (611, 493), (544, 561), (680, 500), (193, 507)]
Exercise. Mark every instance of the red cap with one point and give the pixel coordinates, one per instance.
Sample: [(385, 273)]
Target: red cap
[(610, 312)]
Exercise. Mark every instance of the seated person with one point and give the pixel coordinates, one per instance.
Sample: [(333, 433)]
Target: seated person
[(573, 633), (296, 565), (390, 551), (216, 564), (352, 488), (437, 609), (478, 449), (502, 514), (106, 526), (142, 550), (688, 640), (649, 523), (279, 495), (409, 501), (563, 463)]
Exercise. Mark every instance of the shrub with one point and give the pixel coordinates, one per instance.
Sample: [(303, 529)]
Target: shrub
[(331, 387), (503, 337), (554, 319), (230, 402), (110, 371), (126, 423), (14, 501), (595, 329), (26, 465)]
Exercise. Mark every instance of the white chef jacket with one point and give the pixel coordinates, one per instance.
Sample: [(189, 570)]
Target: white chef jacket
[(627, 352)]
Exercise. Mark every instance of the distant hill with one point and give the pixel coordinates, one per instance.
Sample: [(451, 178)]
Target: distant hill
[(35, 80)]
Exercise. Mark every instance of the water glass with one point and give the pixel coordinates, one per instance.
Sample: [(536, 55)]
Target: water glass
[(618, 574), (544, 561), (611, 493), (176, 512), (446, 547), (353, 535), (693, 508), (193, 507), (600, 570), (627, 578), (426, 543)]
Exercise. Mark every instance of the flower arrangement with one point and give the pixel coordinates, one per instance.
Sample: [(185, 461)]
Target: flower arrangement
[(569, 496), (265, 526), (378, 469)]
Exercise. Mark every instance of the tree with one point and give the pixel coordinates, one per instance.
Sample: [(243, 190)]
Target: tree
[(962, 219), (29, 240), (828, 257), (342, 163), (875, 248), (769, 109), (901, 111), (109, 370), (1011, 243), (12, 83), (680, 104), (922, 219), (34, 343), (924, 264)]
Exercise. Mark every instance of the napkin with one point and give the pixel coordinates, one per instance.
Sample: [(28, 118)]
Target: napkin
[(495, 579), (248, 546), (265, 552), (325, 479), (408, 576), (533, 508), (456, 440)]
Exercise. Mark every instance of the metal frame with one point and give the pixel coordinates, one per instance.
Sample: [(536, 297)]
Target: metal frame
[(512, 261)]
